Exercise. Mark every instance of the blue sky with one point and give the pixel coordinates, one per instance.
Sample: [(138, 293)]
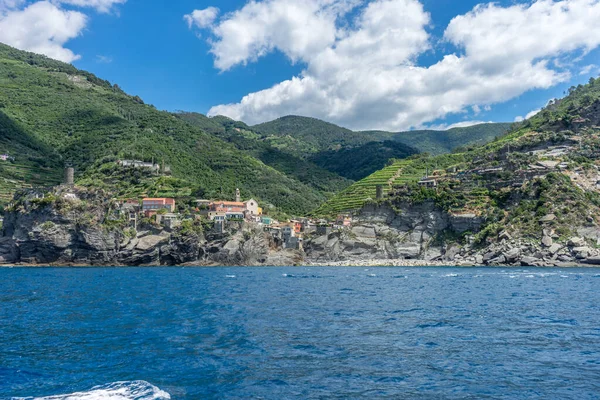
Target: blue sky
[(151, 51)]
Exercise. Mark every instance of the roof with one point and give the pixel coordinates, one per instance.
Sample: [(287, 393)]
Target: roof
[(229, 203), (166, 200)]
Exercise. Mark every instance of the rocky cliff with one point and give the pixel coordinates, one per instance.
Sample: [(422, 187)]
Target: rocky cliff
[(77, 226)]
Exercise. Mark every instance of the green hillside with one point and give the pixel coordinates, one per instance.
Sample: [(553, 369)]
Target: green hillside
[(544, 173), (244, 138), (355, 155), (64, 114), (358, 162), (439, 142)]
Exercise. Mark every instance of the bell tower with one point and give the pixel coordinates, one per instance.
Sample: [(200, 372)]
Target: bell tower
[(238, 197)]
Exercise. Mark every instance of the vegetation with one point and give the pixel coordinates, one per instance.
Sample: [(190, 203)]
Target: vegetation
[(51, 113), (245, 139)]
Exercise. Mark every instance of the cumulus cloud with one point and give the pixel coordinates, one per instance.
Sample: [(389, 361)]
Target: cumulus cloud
[(42, 28), (529, 115), (45, 27), (10, 4), (202, 18), (361, 71)]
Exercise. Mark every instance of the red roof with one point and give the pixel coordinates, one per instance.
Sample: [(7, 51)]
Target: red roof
[(163, 199)]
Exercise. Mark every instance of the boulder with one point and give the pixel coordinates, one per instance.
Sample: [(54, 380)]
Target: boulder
[(582, 252), (148, 242), (513, 254), (592, 260), (504, 235), (553, 249), (529, 261), (548, 218), (547, 241), (576, 242)]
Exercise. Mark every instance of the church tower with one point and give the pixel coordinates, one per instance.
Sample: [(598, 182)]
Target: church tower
[(238, 197)]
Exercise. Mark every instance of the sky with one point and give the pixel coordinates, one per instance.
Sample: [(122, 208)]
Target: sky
[(363, 64)]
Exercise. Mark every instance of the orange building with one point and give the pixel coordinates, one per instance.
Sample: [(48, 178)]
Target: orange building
[(151, 205)]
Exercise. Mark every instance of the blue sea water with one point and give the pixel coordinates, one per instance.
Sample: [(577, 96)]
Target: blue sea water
[(299, 333)]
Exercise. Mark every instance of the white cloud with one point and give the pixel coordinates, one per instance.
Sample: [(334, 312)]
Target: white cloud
[(529, 115), (43, 28), (362, 73), (202, 18), (591, 69), (462, 124), (103, 6), (10, 4)]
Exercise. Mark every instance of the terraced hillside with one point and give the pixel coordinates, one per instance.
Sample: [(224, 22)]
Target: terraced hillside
[(399, 172), (355, 196)]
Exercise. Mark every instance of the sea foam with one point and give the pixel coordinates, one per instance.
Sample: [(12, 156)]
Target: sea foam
[(132, 390)]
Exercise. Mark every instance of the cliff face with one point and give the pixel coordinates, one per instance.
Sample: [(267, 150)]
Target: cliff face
[(380, 232), (383, 235), (73, 226)]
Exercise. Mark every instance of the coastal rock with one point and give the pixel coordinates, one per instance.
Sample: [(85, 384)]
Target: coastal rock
[(576, 242), (547, 241)]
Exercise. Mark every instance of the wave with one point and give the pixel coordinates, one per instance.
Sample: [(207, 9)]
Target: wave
[(132, 390)]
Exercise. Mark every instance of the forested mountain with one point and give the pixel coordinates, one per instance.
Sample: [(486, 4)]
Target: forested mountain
[(543, 174), (247, 140), (52, 113)]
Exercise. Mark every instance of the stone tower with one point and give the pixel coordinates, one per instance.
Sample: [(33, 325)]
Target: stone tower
[(69, 176), (238, 197), (379, 194)]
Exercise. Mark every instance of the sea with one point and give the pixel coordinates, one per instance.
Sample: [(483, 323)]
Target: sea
[(299, 333)]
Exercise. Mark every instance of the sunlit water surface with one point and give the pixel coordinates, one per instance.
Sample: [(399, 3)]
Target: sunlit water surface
[(305, 333)]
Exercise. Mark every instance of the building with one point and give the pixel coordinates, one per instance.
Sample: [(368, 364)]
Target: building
[(343, 221), (227, 206), (151, 205), (4, 157), (168, 220), (297, 225), (138, 164), (428, 182), (252, 207)]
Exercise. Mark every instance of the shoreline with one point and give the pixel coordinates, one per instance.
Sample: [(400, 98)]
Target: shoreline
[(358, 264)]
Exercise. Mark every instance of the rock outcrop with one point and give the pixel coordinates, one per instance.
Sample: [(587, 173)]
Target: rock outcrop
[(71, 226)]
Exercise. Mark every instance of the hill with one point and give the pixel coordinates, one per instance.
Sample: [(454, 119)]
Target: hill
[(439, 142), (540, 180), (246, 139), (341, 150), (52, 113)]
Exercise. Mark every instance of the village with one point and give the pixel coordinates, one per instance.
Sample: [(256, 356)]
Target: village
[(223, 215)]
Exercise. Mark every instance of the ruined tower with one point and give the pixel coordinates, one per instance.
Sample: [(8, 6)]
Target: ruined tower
[(379, 194), (69, 176)]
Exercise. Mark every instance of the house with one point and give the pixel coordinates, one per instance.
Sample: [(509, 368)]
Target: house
[(287, 231), (4, 157), (138, 164), (343, 221), (297, 226), (428, 182), (266, 220), (293, 243), (168, 220), (227, 206), (151, 205)]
